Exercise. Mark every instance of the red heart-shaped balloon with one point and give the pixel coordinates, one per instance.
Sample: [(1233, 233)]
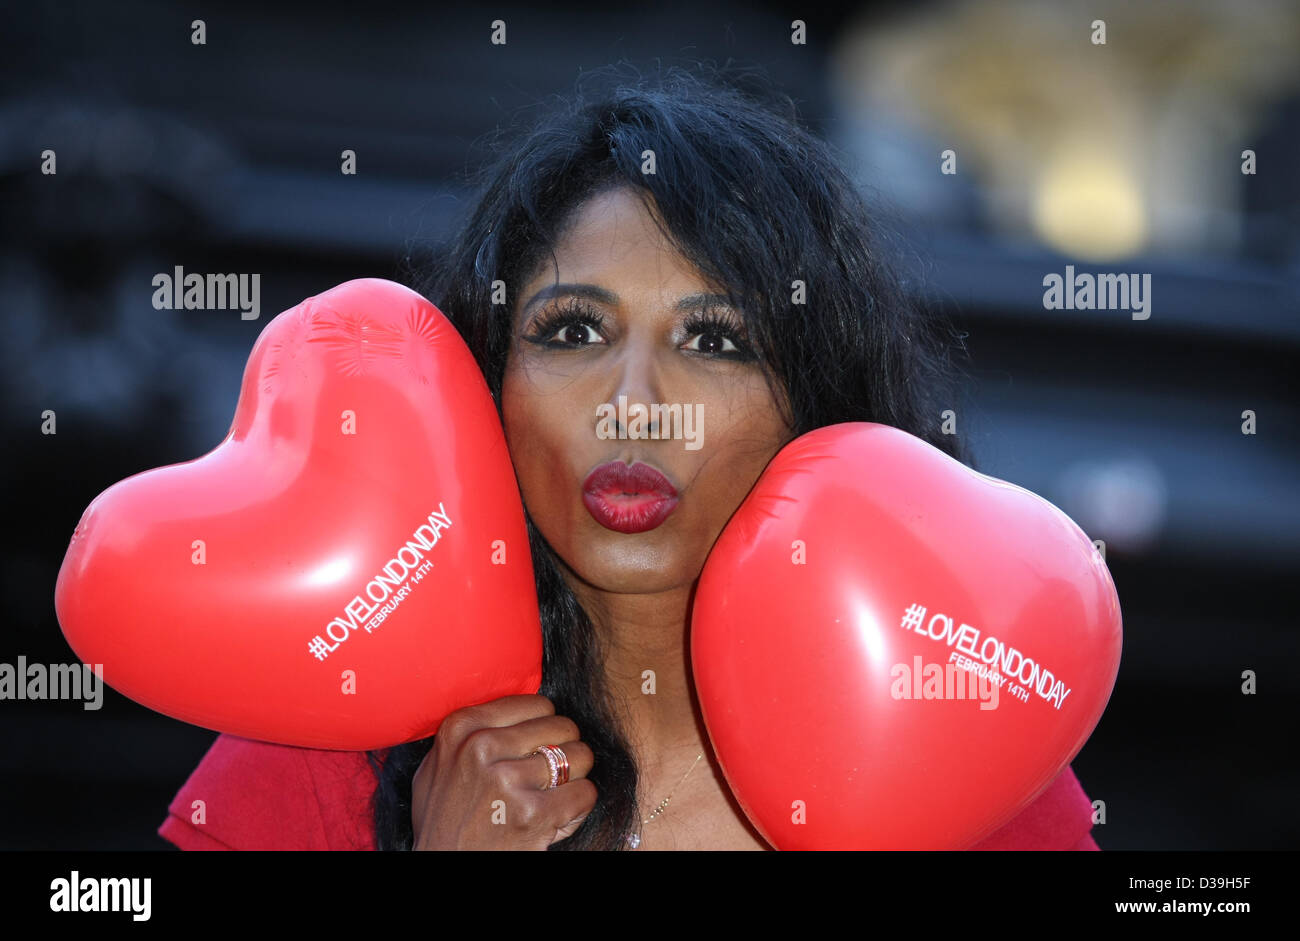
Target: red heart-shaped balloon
[(841, 617), (348, 566)]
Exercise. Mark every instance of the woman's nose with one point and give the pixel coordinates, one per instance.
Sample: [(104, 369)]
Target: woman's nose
[(636, 386)]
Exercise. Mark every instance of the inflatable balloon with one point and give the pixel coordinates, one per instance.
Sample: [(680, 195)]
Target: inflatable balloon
[(349, 565), (893, 651)]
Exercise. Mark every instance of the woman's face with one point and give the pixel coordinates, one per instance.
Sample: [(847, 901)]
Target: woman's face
[(628, 332)]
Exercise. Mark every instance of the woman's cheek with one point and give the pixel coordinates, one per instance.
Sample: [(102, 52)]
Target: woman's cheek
[(541, 439)]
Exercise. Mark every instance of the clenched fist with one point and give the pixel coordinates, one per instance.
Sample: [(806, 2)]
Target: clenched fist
[(483, 754)]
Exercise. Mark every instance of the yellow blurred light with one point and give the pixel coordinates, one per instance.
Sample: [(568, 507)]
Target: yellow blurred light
[(1089, 206)]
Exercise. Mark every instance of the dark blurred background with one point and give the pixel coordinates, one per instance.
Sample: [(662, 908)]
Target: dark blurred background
[(1124, 156)]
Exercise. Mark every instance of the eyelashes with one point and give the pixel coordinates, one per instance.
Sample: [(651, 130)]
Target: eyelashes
[(575, 312), (711, 323), (572, 313)]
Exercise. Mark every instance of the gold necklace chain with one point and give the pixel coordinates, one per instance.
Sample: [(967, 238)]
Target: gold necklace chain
[(635, 838)]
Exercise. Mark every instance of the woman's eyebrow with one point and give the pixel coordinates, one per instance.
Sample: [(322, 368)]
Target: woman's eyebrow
[(589, 291), (696, 301), (602, 296)]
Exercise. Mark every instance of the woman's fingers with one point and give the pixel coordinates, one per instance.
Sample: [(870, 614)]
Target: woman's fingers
[(535, 771), (522, 739), (573, 802)]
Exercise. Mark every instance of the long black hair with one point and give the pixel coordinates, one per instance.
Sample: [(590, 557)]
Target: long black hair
[(756, 203)]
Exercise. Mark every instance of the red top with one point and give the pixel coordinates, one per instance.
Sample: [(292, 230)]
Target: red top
[(259, 796)]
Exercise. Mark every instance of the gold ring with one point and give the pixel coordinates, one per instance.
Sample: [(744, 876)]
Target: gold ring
[(557, 761)]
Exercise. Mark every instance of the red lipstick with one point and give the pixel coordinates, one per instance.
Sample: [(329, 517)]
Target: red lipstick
[(628, 498)]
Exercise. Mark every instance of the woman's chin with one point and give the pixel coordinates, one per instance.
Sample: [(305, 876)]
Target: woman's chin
[(629, 572)]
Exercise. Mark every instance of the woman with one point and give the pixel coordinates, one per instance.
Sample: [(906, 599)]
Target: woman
[(649, 243)]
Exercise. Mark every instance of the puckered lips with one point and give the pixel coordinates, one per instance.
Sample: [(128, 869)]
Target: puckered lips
[(628, 498)]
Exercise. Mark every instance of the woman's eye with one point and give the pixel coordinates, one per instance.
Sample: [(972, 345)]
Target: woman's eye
[(713, 343), (576, 334)]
